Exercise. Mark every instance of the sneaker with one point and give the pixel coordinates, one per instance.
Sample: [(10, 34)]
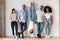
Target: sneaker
[(48, 36), (39, 36), (23, 37), (18, 35)]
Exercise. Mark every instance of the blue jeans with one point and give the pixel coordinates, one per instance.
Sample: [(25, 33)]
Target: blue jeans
[(40, 27), (48, 27), (23, 28)]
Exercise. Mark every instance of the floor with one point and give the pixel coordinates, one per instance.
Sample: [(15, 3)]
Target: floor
[(8, 38)]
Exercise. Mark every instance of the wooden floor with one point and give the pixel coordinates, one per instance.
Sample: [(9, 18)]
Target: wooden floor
[(29, 39)]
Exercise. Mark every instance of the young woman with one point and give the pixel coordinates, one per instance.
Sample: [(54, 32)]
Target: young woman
[(48, 19), (14, 22)]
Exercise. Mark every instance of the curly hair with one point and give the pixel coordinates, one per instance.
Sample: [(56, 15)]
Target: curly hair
[(50, 9)]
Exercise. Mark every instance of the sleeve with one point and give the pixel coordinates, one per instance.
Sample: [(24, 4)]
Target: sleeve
[(26, 14), (33, 15), (10, 17), (42, 14), (30, 9), (36, 12), (17, 16)]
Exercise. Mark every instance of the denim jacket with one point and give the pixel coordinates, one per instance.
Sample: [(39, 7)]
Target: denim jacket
[(32, 14)]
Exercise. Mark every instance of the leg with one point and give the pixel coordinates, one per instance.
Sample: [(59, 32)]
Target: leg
[(12, 26), (28, 33), (41, 27), (38, 30), (33, 30), (46, 28), (22, 29), (49, 27), (49, 30), (16, 28), (25, 27), (29, 28), (18, 34)]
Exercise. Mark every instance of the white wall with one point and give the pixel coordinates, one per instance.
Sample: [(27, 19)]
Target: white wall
[(17, 5), (59, 17)]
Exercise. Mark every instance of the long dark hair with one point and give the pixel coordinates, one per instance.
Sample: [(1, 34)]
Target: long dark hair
[(13, 10), (50, 9)]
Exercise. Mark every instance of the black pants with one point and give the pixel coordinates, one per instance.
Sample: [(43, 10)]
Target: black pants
[(14, 24), (23, 28)]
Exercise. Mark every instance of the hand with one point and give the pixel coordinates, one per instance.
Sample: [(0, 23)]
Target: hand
[(19, 20), (46, 22)]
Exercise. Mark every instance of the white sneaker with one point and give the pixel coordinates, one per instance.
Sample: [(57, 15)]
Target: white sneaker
[(46, 36)]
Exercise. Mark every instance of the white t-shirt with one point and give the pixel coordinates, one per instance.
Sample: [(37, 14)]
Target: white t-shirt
[(48, 15), (39, 15)]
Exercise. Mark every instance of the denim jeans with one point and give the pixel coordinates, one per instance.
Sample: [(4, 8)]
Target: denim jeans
[(48, 27), (23, 28), (14, 24), (40, 27)]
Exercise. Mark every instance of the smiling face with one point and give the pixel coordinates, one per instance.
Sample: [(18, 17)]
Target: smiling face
[(13, 10), (32, 3), (41, 7), (23, 7), (47, 9)]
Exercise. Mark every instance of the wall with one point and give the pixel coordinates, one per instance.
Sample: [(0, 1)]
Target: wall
[(2, 17), (17, 5), (59, 18)]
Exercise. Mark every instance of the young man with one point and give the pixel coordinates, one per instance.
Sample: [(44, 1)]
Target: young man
[(31, 19), (40, 21), (22, 16)]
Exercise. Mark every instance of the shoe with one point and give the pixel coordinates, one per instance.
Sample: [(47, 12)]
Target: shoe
[(48, 37), (18, 35), (23, 37), (39, 36)]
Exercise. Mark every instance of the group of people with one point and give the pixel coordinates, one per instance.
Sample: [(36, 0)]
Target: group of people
[(44, 19)]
